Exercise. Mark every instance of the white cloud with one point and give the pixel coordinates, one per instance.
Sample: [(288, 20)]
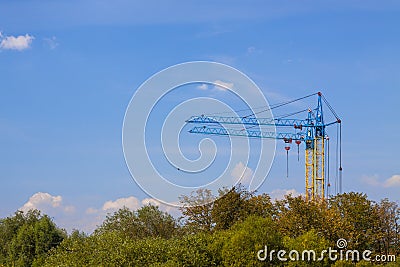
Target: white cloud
[(174, 211), (19, 43), (65, 216), (279, 194), (51, 42), (45, 202), (242, 173), (371, 180), (94, 217), (151, 201), (393, 181), (202, 86), (91, 211), (69, 209), (275, 96), (87, 219), (129, 202), (222, 86)]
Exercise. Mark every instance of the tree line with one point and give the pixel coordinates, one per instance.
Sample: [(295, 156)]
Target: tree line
[(228, 230)]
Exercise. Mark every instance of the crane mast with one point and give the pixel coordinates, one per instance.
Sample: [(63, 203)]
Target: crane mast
[(311, 131), (315, 156)]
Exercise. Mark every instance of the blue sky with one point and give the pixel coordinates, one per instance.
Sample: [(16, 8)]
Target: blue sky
[(69, 69)]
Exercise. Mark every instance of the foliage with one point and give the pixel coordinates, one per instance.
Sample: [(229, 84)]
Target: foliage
[(25, 238), (112, 249), (229, 231), (197, 210), (148, 221), (387, 227), (245, 239), (359, 214), (233, 205), (307, 241)]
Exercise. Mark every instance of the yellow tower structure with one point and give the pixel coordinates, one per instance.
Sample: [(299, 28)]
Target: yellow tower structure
[(315, 168)]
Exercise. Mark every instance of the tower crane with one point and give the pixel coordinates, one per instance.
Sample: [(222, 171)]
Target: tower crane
[(311, 130)]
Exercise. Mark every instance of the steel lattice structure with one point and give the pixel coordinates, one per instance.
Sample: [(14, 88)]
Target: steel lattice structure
[(311, 131)]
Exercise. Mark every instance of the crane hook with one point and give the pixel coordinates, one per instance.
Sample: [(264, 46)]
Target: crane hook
[(298, 142), (288, 141)]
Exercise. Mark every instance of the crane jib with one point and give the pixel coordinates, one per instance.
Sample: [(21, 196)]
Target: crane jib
[(310, 130)]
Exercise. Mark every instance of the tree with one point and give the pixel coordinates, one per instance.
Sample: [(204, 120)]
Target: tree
[(309, 241), (230, 231), (194, 250), (232, 206), (122, 220), (243, 241), (113, 249), (147, 221), (360, 217), (155, 223), (388, 227), (297, 216), (27, 237), (205, 213), (260, 205), (197, 210)]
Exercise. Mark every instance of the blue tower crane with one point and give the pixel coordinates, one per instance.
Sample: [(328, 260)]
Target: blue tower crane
[(310, 130)]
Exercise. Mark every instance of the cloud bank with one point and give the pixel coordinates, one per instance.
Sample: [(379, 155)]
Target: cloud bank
[(242, 174), (390, 182), (19, 43), (46, 203), (280, 194)]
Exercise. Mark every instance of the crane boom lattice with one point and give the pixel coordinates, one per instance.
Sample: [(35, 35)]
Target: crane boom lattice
[(311, 131)]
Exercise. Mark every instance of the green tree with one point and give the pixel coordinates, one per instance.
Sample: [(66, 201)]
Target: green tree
[(113, 249), (309, 241), (244, 240), (147, 221), (232, 206), (27, 237), (237, 204), (194, 250), (202, 212), (260, 205)]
